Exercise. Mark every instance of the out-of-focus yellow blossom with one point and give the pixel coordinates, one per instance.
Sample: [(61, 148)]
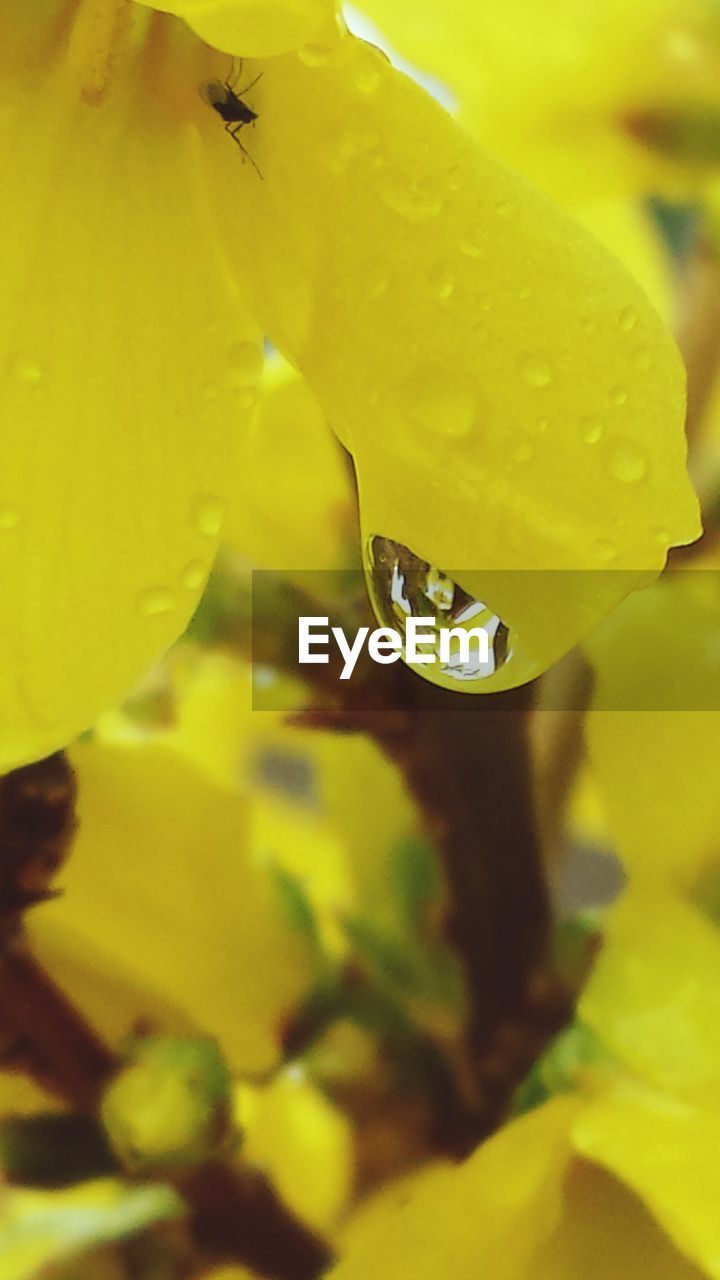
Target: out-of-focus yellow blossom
[(309, 785), (560, 90), (653, 746), (40, 1228), (302, 1142), (451, 325), (644, 1108), (652, 1001), (490, 1212), (162, 893)]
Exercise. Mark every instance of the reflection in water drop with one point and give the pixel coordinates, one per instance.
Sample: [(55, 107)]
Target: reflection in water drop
[(401, 585)]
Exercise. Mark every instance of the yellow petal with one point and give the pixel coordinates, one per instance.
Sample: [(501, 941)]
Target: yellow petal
[(254, 28), (654, 995), (606, 1231), (303, 1143), (122, 344), (653, 751), (161, 884), (667, 1152), (291, 502), (468, 342), (547, 87), (487, 1215)]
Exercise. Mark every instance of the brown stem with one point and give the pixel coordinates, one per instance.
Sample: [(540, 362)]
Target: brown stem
[(63, 1053), (238, 1217), (466, 763)]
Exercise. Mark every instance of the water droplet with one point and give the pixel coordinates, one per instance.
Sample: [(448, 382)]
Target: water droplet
[(606, 551), (591, 429), (503, 207), (316, 55), (442, 403), (155, 600), (475, 246), (245, 362), (193, 575), (627, 462), (662, 535), (617, 396), (26, 370), (401, 585), (208, 514), (9, 518), (541, 425), (412, 201), (442, 281), (535, 371), (521, 448), (368, 71), (628, 319)]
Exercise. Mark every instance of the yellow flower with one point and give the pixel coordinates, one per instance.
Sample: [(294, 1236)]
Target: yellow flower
[(572, 93), (453, 326), (653, 731), (166, 919), (618, 1175)]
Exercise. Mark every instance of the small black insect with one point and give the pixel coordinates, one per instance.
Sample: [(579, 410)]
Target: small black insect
[(225, 98)]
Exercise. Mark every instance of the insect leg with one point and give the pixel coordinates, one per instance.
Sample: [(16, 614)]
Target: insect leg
[(251, 85), (234, 129)]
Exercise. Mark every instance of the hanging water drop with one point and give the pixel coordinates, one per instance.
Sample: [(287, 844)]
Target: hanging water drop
[(401, 586)]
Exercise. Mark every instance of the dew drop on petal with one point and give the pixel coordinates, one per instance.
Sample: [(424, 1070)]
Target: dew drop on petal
[(535, 371), (193, 575), (26, 371), (627, 463), (591, 429), (402, 585), (411, 200), (9, 518), (442, 281), (155, 600), (368, 70), (606, 551), (475, 246), (316, 55), (617, 396), (541, 425), (628, 319), (208, 514)]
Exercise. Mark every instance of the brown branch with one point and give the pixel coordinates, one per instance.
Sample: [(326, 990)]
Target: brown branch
[(237, 1216), (466, 762), (60, 1050)]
